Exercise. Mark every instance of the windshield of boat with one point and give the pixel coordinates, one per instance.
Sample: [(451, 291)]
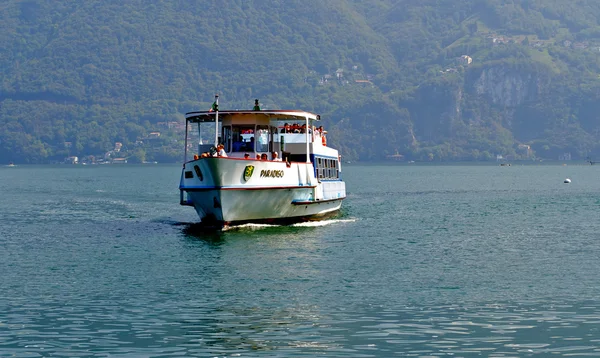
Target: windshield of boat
[(242, 138)]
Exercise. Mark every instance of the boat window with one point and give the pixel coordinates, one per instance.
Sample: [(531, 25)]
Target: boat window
[(204, 136), (262, 138), (242, 138), (274, 136), (198, 172), (327, 168), (227, 138)]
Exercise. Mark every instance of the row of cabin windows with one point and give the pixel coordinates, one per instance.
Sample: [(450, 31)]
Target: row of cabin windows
[(248, 138), (327, 168)]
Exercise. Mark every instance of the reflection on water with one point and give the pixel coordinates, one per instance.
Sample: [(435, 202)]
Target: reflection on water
[(194, 328)]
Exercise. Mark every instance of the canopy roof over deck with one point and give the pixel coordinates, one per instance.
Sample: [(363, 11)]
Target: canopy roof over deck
[(283, 115)]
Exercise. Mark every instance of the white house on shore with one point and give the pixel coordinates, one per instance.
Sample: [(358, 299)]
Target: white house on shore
[(72, 160)]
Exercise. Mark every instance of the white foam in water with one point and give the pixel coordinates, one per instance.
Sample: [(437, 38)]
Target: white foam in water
[(249, 227), (302, 224), (323, 223)]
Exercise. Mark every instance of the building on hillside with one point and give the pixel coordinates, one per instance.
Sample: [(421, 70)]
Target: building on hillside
[(497, 40), (565, 157), (118, 146), (153, 135), (170, 124), (465, 60), (396, 157), (525, 150)]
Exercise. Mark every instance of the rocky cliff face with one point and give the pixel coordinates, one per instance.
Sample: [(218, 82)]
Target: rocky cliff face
[(434, 110), (492, 110), (506, 87)]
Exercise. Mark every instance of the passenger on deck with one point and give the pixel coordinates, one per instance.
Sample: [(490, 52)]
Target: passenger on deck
[(257, 156), (220, 151), (275, 157), (264, 156), (286, 128), (246, 156), (250, 145), (237, 146)]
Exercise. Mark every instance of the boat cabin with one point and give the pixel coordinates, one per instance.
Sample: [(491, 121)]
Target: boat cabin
[(294, 135)]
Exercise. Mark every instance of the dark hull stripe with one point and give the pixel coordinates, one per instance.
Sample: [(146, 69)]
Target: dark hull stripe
[(247, 188), (310, 202)]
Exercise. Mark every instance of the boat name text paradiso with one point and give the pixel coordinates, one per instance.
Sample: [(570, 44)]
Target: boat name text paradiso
[(271, 173)]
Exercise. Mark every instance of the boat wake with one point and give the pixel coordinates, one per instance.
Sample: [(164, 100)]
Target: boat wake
[(323, 223), (256, 226), (199, 229), (249, 227)]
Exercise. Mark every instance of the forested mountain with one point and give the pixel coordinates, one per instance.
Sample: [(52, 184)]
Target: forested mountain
[(428, 79)]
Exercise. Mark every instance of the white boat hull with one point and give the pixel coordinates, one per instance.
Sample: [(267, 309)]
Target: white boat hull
[(223, 194), (237, 206)]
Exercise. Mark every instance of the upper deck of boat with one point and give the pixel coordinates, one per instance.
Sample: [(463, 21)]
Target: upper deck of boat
[(231, 115)]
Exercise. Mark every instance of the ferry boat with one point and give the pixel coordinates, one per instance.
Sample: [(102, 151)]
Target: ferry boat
[(263, 166)]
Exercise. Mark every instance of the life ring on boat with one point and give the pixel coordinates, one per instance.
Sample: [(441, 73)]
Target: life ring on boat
[(324, 140)]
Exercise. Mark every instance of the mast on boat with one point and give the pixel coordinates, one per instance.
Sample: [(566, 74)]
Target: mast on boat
[(216, 109)]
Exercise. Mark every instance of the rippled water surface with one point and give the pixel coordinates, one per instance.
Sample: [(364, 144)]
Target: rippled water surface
[(423, 261)]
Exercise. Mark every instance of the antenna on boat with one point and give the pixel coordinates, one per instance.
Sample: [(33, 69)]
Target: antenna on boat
[(216, 109), (256, 105)]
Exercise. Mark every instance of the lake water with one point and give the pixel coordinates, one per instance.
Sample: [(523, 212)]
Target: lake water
[(423, 261)]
